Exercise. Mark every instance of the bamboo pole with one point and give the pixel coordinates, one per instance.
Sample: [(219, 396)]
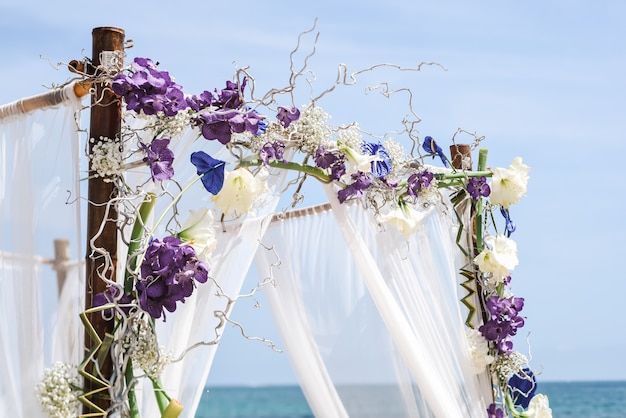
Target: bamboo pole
[(105, 122), (44, 100)]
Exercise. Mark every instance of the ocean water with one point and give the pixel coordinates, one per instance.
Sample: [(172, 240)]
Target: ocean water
[(567, 400)]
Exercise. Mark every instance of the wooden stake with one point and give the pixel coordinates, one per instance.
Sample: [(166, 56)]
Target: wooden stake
[(105, 122)]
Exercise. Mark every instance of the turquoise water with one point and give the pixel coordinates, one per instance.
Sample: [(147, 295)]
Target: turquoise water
[(567, 399)]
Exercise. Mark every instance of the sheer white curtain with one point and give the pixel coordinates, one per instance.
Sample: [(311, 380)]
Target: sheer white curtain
[(195, 321), (414, 291), (36, 170), (334, 336)]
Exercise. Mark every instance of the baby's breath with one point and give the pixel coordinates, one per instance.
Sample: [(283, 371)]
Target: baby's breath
[(106, 158), (57, 391)]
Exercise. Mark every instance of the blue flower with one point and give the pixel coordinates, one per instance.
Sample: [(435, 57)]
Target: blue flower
[(382, 167), (211, 170), (510, 225), (523, 387), (431, 147)]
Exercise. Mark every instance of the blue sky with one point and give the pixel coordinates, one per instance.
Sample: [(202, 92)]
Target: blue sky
[(544, 80)]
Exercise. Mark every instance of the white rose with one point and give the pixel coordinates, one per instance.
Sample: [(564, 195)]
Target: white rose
[(508, 186), (240, 191), (405, 219), (199, 232), (539, 407), (498, 258), (479, 350)]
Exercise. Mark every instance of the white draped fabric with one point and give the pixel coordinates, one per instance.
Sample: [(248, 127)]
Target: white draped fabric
[(371, 322), (195, 322), (373, 303), (36, 154)]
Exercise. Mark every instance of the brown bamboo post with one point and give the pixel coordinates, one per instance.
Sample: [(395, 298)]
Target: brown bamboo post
[(461, 156), (105, 122)]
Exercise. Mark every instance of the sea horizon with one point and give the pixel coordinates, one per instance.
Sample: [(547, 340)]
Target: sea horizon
[(568, 399)]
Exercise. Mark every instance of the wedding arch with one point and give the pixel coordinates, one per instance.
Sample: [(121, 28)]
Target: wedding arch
[(401, 281)]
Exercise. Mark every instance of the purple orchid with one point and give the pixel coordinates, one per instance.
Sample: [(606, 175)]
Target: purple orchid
[(168, 275), (328, 160), (149, 90), (504, 321), (211, 170), (418, 181), (361, 182), (112, 294), (477, 187), (272, 151), (232, 96), (431, 147), (197, 103), (382, 167), (286, 115), (522, 386), (160, 159), (494, 412)]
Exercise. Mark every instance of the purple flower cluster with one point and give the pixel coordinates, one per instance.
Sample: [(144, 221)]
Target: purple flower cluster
[(361, 182), (504, 321), (494, 412), (477, 187), (149, 90), (418, 181), (328, 160), (168, 272), (286, 115), (272, 151), (223, 113), (160, 159), (112, 294)]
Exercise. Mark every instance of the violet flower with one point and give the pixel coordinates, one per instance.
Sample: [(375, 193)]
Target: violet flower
[(418, 181), (232, 96), (330, 160), (523, 386), (286, 115), (504, 321), (211, 170), (431, 147), (361, 182), (168, 275), (149, 90), (112, 294), (160, 159), (494, 412), (272, 151), (477, 187), (382, 167)]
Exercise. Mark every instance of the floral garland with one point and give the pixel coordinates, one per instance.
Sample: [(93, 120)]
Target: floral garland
[(163, 272)]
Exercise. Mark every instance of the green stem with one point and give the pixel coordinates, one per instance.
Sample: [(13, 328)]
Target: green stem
[(136, 238), (464, 174), (316, 172), (132, 399), (482, 164), (180, 194), (161, 397)]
